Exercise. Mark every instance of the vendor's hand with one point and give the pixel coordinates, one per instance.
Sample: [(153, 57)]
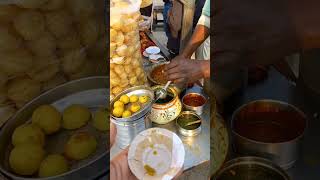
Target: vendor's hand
[(261, 32), (119, 167), (183, 71)]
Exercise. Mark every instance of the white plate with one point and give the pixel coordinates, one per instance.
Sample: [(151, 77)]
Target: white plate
[(152, 50), (158, 148)]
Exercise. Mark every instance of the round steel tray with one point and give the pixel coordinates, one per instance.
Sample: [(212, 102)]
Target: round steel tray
[(219, 145), (91, 92)]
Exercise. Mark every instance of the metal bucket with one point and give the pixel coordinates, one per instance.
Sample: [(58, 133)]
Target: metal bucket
[(128, 128), (127, 131), (276, 137)]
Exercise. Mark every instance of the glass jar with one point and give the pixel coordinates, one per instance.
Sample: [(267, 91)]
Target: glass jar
[(126, 68)]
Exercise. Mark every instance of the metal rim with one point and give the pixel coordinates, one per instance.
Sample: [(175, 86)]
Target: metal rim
[(184, 131), (272, 101), (136, 116), (253, 160), (193, 93)]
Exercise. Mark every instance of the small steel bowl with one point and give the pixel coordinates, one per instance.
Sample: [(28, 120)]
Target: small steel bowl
[(197, 109), (188, 132)]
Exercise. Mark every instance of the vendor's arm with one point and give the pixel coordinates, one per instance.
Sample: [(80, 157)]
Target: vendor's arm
[(201, 32)]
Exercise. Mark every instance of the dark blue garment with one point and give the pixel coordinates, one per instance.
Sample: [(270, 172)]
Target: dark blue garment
[(167, 6), (198, 11)]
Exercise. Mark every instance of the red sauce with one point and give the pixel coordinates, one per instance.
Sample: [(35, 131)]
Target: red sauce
[(269, 125), (194, 100)]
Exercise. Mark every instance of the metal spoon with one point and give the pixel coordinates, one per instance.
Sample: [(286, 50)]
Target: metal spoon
[(192, 123), (162, 93)]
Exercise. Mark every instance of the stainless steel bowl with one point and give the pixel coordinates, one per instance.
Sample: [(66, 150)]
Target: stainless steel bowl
[(178, 88), (128, 128), (92, 92), (269, 129), (197, 109), (188, 132), (251, 168)]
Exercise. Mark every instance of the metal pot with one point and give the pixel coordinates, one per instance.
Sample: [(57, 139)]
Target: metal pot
[(93, 93), (166, 112), (128, 128), (269, 129), (251, 168)]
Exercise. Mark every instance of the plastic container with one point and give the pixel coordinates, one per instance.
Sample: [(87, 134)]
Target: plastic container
[(126, 68)]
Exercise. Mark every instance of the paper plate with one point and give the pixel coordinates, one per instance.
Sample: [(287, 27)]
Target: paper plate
[(156, 154), (153, 50)]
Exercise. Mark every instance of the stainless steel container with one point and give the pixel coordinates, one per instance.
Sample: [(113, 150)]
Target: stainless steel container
[(93, 93), (187, 132), (251, 168), (128, 128), (197, 109), (281, 145)]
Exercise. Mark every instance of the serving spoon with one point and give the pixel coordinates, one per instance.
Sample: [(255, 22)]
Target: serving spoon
[(192, 123), (162, 93)]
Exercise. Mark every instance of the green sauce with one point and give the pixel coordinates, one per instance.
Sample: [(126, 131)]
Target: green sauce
[(186, 118)]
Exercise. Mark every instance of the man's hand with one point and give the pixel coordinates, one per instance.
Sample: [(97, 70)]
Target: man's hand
[(183, 71), (261, 32)]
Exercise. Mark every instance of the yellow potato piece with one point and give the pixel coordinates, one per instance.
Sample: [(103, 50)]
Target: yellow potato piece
[(80, 146), (118, 111), (135, 108), (125, 99), (28, 134), (53, 165), (118, 104), (48, 118), (126, 114), (134, 98), (25, 159), (143, 99), (101, 120), (75, 116)]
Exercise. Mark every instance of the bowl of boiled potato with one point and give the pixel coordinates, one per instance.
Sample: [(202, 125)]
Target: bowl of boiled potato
[(61, 134), (132, 103)]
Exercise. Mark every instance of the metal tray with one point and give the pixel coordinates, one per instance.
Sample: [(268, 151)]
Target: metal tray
[(91, 92)]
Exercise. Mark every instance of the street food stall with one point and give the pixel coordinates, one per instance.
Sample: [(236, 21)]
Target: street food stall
[(53, 88), (155, 129)]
